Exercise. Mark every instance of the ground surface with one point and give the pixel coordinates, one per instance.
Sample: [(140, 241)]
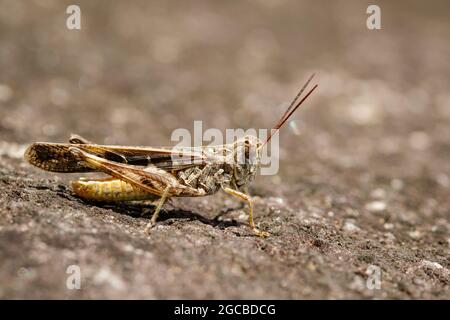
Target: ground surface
[(364, 171)]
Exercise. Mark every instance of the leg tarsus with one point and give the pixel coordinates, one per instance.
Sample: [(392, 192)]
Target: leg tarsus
[(247, 198), (260, 233)]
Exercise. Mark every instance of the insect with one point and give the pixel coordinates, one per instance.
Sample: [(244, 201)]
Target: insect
[(147, 173)]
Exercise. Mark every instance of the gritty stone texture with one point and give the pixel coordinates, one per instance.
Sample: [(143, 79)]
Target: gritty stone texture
[(364, 169)]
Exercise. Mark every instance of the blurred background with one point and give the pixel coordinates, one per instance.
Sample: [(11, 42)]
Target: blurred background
[(380, 119), (135, 72)]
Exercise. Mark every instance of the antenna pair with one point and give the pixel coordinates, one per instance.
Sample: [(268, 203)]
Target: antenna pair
[(291, 109)]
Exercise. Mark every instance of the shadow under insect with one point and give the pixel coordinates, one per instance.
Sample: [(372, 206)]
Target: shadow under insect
[(167, 216)]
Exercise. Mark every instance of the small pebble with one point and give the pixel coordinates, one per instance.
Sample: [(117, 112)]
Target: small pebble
[(389, 236), (364, 113), (128, 248), (349, 212), (358, 284), (311, 266), (408, 216), (388, 226), (431, 264), (106, 276), (378, 193), (242, 216), (12, 150), (279, 200), (435, 228), (416, 235), (376, 206), (419, 281), (349, 226)]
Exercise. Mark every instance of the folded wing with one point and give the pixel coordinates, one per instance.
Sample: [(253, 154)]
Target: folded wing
[(56, 157)]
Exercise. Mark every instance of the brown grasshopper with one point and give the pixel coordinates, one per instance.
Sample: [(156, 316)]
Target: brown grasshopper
[(147, 173)]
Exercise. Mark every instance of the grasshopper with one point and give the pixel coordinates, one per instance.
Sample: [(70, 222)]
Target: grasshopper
[(147, 173)]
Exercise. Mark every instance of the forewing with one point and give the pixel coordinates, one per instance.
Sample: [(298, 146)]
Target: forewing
[(57, 157)]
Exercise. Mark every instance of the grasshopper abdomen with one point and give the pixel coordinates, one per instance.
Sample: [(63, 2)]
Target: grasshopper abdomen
[(109, 190)]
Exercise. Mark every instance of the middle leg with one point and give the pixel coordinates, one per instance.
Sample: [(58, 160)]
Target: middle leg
[(247, 198), (155, 215)]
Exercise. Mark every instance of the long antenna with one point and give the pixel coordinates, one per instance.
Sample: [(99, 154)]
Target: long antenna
[(288, 113), (298, 95)]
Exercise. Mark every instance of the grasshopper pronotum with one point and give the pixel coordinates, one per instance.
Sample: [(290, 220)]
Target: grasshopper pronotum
[(140, 173)]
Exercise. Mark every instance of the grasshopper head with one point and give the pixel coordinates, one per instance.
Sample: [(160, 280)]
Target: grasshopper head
[(247, 157)]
